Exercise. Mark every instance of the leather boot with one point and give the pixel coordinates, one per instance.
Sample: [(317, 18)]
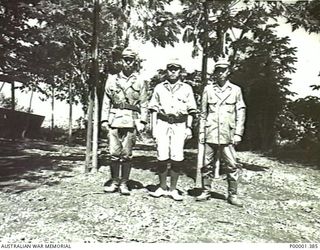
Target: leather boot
[(112, 185), (125, 173), (232, 193)]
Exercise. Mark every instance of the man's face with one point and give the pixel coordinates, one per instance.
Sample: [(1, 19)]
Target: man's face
[(128, 63), (220, 74), (173, 72)]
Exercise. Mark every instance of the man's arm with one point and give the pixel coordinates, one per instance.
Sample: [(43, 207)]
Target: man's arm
[(106, 105), (144, 103), (192, 109), (154, 106), (240, 117)]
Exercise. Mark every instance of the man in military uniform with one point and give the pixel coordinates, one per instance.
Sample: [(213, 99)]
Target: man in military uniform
[(221, 127), (173, 105), (125, 109)]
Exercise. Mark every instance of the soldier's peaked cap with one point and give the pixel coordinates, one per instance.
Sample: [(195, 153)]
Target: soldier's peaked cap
[(127, 52), (222, 63), (175, 62)]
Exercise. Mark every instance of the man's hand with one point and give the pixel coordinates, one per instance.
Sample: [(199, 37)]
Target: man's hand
[(237, 139), (140, 126), (188, 133), (202, 138)]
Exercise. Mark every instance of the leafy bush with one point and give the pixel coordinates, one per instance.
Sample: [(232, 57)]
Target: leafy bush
[(298, 127)]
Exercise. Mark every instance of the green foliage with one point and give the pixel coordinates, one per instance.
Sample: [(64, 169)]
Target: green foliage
[(5, 102), (304, 14), (298, 126), (260, 59), (17, 35), (56, 48)]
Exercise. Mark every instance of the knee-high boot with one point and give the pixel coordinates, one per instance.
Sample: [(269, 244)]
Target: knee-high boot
[(115, 170), (112, 185), (125, 174), (233, 191)]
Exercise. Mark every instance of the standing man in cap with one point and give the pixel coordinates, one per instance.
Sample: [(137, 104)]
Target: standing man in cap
[(125, 109), (221, 128), (172, 106)]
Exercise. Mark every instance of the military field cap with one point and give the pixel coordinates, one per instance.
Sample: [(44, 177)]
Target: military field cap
[(129, 53), (222, 63), (174, 62)]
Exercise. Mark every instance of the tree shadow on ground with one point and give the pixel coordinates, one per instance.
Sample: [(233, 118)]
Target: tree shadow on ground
[(301, 156), (22, 170)]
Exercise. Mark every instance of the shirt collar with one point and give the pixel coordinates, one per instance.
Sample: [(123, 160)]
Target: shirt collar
[(178, 83), (133, 75), (224, 87)]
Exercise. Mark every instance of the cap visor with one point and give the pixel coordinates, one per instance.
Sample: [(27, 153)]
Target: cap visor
[(174, 64)]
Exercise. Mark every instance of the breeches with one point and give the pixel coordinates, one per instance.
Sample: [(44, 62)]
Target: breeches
[(121, 142)]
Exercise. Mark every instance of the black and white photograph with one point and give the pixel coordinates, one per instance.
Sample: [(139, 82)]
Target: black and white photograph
[(153, 123)]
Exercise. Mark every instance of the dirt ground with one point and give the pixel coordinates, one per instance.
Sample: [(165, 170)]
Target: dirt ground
[(45, 197)]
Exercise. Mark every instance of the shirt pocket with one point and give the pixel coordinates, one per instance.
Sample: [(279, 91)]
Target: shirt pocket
[(212, 104), (114, 93), (181, 98), (181, 104), (134, 92), (230, 104)]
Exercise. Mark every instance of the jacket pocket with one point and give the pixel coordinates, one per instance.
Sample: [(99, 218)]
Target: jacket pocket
[(230, 106)]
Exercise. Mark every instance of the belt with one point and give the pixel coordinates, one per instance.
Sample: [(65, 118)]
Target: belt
[(172, 118), (125, 106)]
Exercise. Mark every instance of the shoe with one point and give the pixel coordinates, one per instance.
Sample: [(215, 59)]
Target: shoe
[(205, 195), (233, 200), (110, 187), (158, 193), (123, 188), (174, 194)]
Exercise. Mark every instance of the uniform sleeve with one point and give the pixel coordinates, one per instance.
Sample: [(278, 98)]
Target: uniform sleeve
[(240, 114), (106, 106), (203, 110), (154, 104), (144, 103), (191, 102)]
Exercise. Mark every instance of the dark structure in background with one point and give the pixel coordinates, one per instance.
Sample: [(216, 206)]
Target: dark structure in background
[(17, 124)]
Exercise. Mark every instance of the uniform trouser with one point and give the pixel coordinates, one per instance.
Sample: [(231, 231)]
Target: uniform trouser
[(227, 153), (170, 140), (121, 142)]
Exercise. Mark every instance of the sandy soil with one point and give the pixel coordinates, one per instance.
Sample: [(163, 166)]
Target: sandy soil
[(45, 197)]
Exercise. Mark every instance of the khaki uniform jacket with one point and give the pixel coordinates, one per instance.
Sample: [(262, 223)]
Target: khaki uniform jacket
[(222, 113), (177, 101), (128, 90)]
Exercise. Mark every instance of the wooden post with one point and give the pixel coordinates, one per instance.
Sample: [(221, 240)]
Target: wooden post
[(70, 110), (95, 134), (200, 163), (13, 97), (94, 78), (89, 133), (52, 106), (30, 102), (204, 69)]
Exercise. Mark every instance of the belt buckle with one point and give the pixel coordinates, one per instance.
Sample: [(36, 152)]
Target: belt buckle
[(122, 105), (170, 119)]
